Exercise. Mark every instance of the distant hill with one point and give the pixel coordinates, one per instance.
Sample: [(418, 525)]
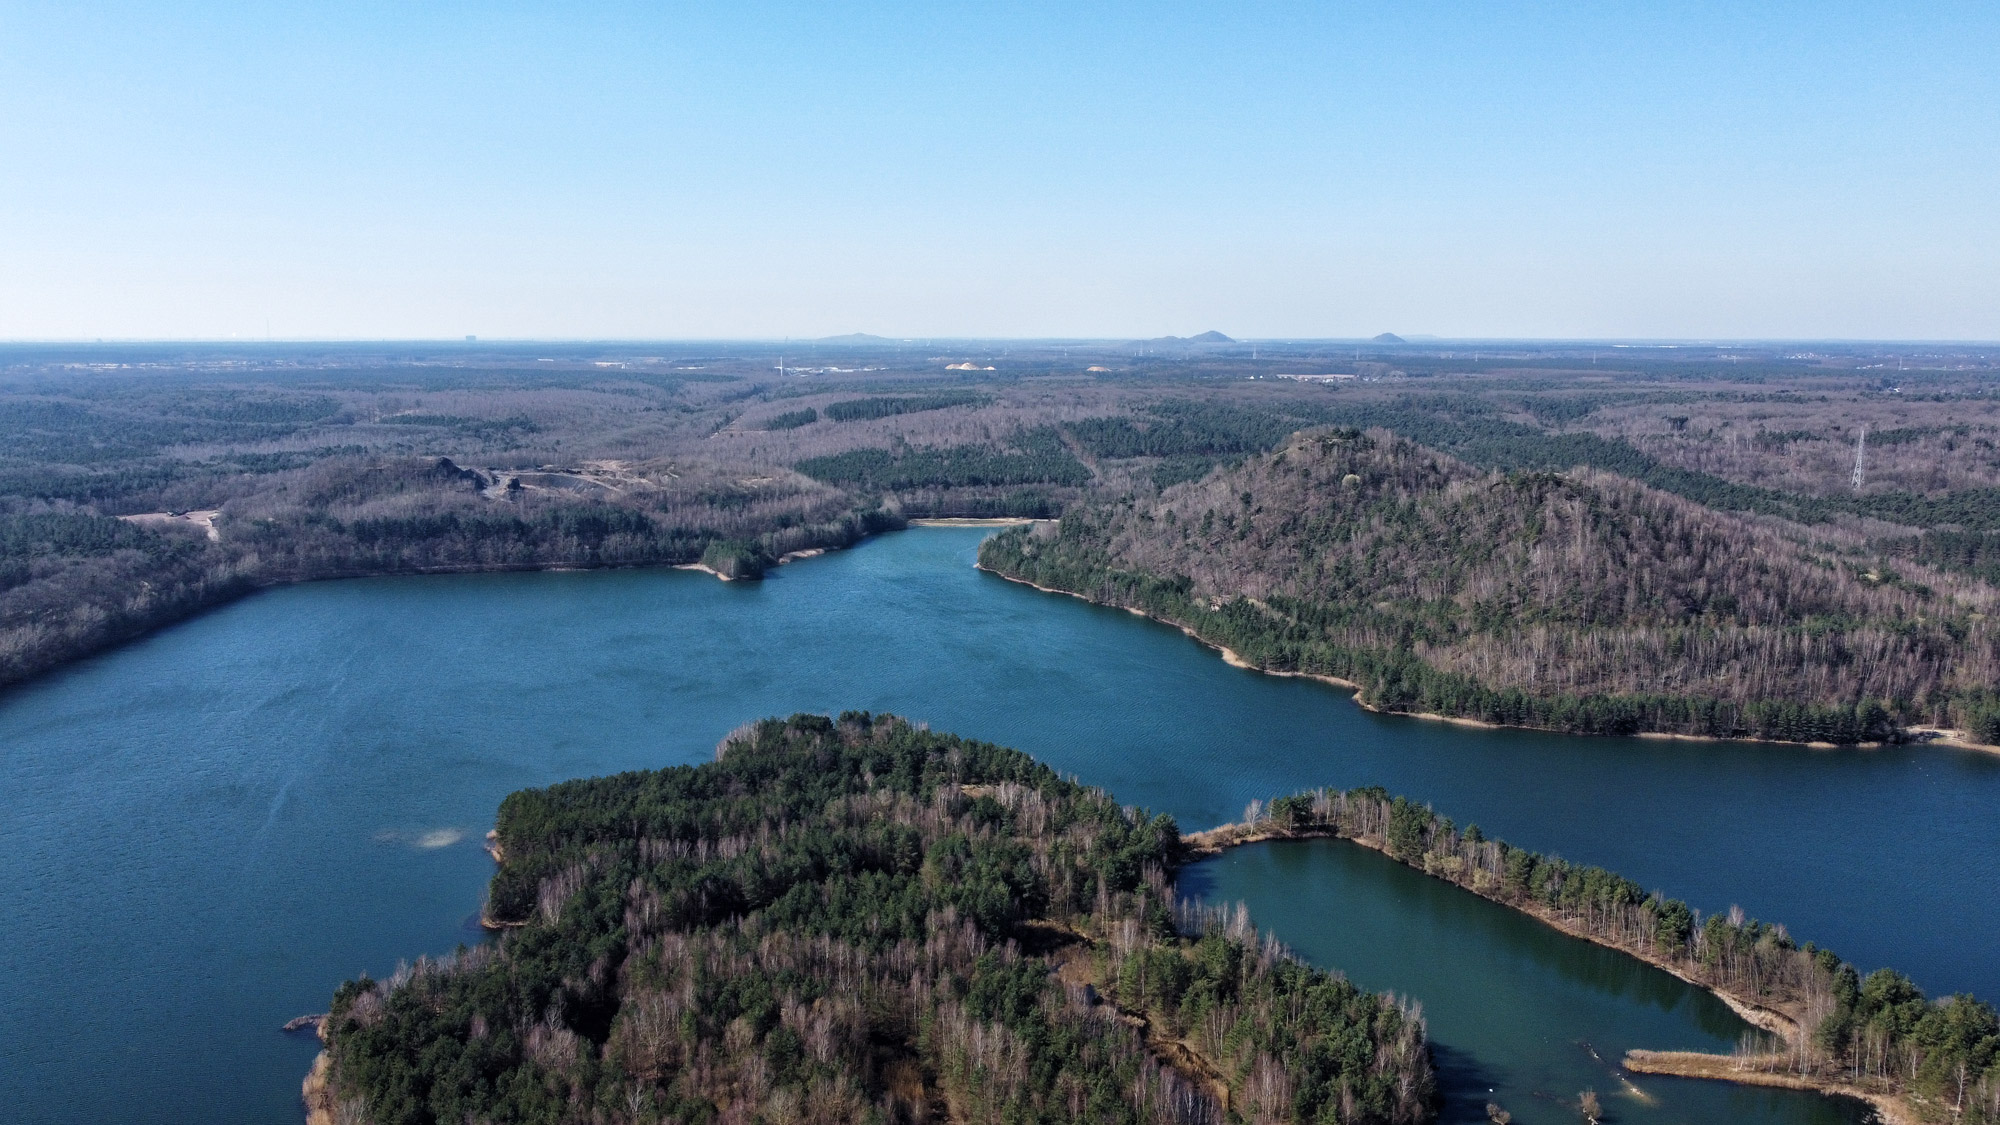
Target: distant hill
[(854, 338), (1580, 601), (1209, 337), (1387, 338)]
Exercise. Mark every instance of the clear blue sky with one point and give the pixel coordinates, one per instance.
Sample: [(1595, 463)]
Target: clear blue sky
[(766, 169)]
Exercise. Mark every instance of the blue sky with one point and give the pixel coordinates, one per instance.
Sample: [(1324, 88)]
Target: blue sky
[(770, 169)]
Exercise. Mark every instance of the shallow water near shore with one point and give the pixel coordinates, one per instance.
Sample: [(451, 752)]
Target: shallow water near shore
[(205, 831), (1520, 1015)]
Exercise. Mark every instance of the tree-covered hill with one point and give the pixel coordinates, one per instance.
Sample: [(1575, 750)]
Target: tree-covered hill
[(1579, 601), (858, 921)]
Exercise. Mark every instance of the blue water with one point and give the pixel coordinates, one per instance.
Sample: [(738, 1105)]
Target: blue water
[(1520, 1014), (203, 832)]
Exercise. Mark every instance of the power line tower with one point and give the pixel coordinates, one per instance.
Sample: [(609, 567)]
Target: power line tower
[(1861, 458)]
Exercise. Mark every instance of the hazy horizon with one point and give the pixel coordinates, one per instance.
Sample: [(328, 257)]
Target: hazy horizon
[(840, 339), (222, 170)]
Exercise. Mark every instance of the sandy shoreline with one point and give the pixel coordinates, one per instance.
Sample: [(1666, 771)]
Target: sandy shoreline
[(1933, 736), (1956, 739), (788, 556), (1728, 1068), (974, 521)]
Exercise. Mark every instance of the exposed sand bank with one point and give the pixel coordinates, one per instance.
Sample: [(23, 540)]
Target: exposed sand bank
[(1729, 1068), (1956, 739), (970, 521), (787, 557)]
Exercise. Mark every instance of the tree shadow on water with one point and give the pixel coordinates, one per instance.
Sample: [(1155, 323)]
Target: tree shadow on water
[(1466, 1083), (1196, 880)]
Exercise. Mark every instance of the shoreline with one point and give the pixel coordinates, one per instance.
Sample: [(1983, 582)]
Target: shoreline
[(273, 581), (787, 557), (1889, 1107), (705, 569), (1946, 737), (1925, 736), (1212, 842), (317, 1088), (262, 583), (487, 921)]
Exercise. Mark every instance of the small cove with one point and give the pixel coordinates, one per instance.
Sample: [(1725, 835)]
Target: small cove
[(206, 830), (1520, 1014)]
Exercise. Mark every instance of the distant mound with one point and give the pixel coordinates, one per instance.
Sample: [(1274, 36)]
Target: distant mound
[(854, 338), (1388, 338), (1209, 337)]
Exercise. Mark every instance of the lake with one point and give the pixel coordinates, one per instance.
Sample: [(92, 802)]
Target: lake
[(205, 831)]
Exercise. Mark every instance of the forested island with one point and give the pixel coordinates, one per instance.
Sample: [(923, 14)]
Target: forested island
[(1579, 601), (858, 920)]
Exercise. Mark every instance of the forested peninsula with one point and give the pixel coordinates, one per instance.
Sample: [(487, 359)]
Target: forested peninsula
[(1578, 601), (1875, 1037), (858, 920)]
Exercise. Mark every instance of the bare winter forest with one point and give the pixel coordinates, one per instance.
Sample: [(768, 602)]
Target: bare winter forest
[(1749, 504), (1542, 586)]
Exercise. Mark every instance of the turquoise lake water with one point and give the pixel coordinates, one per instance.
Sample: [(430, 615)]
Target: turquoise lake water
[(203, 832)]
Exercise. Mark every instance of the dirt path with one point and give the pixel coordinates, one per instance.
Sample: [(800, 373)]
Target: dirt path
[(203, 518)]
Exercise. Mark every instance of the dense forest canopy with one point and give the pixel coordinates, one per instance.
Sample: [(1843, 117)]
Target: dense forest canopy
[(858, 920)]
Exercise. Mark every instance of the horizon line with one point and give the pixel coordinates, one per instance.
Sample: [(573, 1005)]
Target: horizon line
[(866, 339)]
